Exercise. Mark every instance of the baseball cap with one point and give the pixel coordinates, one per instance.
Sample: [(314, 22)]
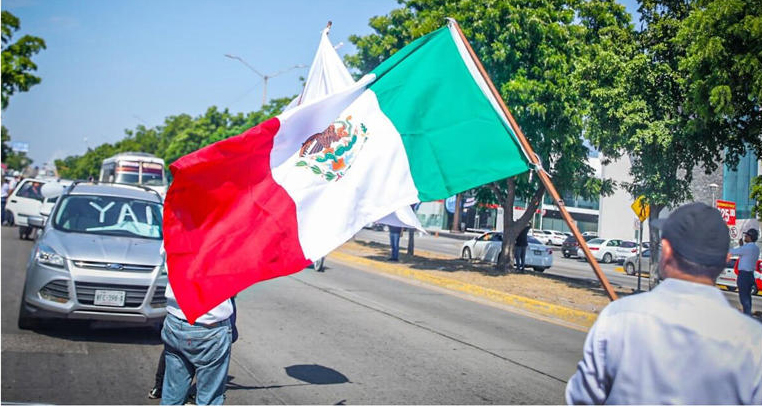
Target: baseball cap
[(753, 233), (697, 233)]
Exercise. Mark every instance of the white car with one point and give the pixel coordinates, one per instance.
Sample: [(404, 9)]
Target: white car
[(626, 249), (540, 235), (604, 250), (486, 247), (556, 237), (25, 201)]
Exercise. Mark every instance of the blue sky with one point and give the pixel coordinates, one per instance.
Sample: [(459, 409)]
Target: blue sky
[(112, 65)]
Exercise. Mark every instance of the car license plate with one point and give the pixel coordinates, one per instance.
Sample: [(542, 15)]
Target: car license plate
[(537, 252), (109, 298)]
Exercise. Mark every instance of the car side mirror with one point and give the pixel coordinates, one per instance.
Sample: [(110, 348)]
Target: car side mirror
[(35, 221)]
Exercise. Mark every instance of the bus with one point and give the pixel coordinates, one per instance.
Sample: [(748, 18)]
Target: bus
[(135, 168)]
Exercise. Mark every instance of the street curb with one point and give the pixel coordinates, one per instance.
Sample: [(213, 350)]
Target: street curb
[(575, 317)]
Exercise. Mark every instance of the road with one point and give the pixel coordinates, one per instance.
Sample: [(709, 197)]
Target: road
[(344, 336), (574, 268)]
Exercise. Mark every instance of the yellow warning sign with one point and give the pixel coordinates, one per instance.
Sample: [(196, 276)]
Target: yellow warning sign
[(641, 208)]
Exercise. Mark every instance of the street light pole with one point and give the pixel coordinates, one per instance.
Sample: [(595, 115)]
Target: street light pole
[(265, 77), (714, 188)]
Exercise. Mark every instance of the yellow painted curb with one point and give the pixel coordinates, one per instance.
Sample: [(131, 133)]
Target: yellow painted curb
[(569, 315)]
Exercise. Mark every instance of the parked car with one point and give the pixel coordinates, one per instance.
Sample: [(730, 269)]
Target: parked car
[(603, 250), (590, 234), (25, 200), (556, 237), (98, 258), (570, 245), (486, 247), (631, 263), (729, 275), (626, 249), (540, 235)]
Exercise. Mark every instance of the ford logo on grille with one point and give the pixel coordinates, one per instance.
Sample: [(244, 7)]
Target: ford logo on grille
[(115, 267)]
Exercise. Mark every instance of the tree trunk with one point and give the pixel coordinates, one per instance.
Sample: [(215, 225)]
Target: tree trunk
[(456, 214), (512, 229)]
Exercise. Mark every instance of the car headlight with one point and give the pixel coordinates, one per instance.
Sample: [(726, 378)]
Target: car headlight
[(47, 256)]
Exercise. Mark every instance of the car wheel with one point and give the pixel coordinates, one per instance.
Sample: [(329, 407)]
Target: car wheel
[(466, 254), (630, 269), (538, 269), (607, 258), (566, 254), (319, 265), (26, 321)]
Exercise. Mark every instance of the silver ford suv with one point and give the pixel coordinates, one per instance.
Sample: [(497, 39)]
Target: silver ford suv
[(99, 257)]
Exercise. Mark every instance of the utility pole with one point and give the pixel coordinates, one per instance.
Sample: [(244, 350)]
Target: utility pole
[(265, 77)]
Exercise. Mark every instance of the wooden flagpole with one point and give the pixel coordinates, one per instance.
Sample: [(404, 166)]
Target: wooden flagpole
[(544, 177)]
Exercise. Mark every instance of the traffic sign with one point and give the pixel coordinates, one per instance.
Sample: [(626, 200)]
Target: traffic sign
[(641, 208)]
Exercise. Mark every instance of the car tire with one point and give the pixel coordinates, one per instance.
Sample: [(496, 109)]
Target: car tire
[(319, 265), (26, 321), (466, 255), (567, 255), (538, 269), (607, 258), (629, 268)]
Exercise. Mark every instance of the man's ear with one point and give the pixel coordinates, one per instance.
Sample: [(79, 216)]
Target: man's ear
[(666, 249)]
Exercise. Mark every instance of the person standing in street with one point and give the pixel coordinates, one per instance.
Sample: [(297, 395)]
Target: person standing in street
[(747, 262), (202, 349), (394, 239), (682, 342), (520, 248)]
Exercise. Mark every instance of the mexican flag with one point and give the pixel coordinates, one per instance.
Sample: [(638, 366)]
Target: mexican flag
[(422, 126)]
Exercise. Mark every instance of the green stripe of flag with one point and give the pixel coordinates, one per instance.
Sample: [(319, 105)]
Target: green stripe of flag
[(454, 138)]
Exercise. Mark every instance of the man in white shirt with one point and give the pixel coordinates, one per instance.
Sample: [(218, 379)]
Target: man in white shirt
[(681, 343), (202, 349), (747, 263)]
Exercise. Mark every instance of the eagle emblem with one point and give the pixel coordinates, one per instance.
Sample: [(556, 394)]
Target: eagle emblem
[(330, 153)]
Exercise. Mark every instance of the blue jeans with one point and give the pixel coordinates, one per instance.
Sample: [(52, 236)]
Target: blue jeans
[(744, 289), (195, 349), (520, 253), (394, 238)]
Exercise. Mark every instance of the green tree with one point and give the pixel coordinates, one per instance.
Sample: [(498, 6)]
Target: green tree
[(533, 51), (685, 96), (178, 136), (15, 161), (756, 194), (17, 64)]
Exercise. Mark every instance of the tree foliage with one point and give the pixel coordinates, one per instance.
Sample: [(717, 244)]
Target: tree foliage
[(17, 64), (534, 51), (756, 195), (178, 136)]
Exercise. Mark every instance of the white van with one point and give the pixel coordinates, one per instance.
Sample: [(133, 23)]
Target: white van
[(135, 168)]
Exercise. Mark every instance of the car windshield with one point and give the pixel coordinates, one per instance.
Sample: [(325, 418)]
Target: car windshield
[(107, 215), (532, 240), (628, 244), (127, 177)]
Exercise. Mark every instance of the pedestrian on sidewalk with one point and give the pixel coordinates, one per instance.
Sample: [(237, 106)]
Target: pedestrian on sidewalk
[(520, 248), (394, 239), (748, 255), (201, 349), (682, 342)]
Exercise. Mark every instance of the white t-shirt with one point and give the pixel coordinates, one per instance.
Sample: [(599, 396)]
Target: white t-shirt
[(219, 313)]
